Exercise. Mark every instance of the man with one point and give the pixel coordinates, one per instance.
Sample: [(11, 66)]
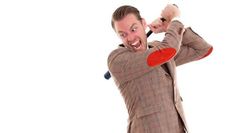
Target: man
[(145, 72)]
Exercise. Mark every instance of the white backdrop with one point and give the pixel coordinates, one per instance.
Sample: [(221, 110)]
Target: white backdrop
[(53, 54)]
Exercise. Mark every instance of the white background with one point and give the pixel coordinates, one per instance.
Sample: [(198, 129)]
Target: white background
[(53, 54)]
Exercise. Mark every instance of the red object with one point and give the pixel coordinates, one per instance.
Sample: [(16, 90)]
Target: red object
[(160, 56), (208, 53)]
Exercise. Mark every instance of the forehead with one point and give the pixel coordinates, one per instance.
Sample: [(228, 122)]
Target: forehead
[(126, 23)]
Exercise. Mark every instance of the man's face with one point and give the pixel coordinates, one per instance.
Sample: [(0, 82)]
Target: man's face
[(132, 32)]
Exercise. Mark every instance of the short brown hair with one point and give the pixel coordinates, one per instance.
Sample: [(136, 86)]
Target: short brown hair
[(123, 11)]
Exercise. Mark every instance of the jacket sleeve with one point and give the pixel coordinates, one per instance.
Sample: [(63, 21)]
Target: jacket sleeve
[(125, 65), (193, 48)]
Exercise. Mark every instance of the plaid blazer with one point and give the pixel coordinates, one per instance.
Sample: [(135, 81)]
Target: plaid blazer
[(150, 91)]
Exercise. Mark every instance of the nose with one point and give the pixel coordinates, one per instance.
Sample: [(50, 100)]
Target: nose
[(130, 38)]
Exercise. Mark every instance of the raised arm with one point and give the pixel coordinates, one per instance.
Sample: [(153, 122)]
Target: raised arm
[(193, 48), (126, 65)]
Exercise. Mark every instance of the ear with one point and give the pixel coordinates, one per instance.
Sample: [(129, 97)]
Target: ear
[(144, 23)]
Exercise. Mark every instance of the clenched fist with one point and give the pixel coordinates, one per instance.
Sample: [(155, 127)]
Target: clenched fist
[(170, 11), (159, 25)]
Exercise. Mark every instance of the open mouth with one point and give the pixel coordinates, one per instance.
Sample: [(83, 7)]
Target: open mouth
[(136, 44)]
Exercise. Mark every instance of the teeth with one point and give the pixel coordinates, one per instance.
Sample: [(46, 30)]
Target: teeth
[(135, 43)]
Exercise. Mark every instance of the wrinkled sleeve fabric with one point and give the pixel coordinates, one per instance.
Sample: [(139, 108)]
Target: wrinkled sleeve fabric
[(193, 48), (126, 65)]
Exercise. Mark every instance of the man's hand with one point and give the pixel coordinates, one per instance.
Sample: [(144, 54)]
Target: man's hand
[(158, 26), (170, 11)]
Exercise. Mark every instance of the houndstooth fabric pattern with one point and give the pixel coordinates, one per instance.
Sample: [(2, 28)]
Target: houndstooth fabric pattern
[(150, 93)]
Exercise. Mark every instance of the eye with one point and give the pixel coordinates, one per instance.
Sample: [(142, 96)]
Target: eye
[(134, 29), (122, 35)]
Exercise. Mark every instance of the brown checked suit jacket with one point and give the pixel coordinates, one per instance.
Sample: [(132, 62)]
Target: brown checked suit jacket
[(150, 92)]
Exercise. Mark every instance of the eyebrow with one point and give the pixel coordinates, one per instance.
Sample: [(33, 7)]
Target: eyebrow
[(129, 28)]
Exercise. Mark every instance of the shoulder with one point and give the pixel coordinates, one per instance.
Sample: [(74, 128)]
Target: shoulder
[(116, 52)]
